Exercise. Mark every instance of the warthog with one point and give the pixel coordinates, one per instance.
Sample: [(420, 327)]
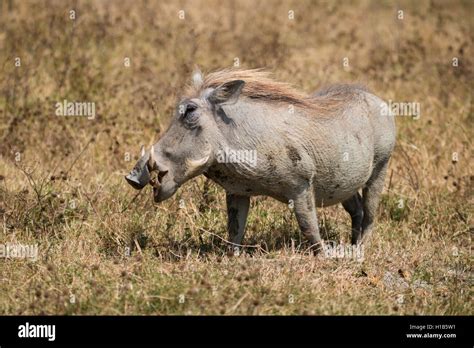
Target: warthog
[(311, 150)]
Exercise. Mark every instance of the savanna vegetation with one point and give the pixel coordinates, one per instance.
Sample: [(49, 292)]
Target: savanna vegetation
[(103, 248)]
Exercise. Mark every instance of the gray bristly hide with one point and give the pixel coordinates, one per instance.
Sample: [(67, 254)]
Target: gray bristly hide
[(253, 145)]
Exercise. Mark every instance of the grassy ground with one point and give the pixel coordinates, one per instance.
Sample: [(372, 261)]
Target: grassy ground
[(102, 250)]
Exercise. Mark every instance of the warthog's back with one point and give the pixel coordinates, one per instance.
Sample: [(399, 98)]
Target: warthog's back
[(294, 148)]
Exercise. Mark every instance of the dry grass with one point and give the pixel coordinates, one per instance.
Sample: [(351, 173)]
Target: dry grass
[(67, 194)]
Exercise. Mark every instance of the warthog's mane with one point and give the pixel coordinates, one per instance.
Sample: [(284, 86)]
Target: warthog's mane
[(259, 85)]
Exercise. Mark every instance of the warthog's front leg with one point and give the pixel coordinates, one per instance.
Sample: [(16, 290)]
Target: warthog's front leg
[(305, 210), (237, 211)]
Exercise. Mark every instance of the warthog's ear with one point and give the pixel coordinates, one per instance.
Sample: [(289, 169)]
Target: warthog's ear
[(228, 93)]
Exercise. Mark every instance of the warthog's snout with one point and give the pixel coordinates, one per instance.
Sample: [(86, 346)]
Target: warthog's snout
[(140, 176), (138, 179), (147, 171)]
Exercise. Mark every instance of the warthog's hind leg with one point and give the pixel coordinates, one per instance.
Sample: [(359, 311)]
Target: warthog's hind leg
[(355, 208), (371, 197)]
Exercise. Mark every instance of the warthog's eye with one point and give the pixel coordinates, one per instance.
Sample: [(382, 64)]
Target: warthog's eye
[(188, 115), (190, 109)]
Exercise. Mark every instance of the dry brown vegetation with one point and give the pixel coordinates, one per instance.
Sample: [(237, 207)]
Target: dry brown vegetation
[(61, 178)]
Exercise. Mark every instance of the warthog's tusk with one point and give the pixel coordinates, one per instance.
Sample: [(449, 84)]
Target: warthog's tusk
[(142, 151), (151, 160)]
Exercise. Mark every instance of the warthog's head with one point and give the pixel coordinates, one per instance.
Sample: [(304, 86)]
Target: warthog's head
[(188, 146)]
